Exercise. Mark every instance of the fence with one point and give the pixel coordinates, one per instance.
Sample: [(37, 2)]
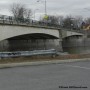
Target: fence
[(23, 21)]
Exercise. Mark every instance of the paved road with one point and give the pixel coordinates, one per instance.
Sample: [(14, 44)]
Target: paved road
[(47, 77)]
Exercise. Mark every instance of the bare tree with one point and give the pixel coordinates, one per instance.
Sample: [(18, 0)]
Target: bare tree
[(28, 13), (87, 21), (20, 11), (51, 20), (60, 20), (73, 22), (77, 21), (67, 22)]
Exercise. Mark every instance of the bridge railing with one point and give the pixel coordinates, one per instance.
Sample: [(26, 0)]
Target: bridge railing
[(74, 30), (11, 20), (4, 19)]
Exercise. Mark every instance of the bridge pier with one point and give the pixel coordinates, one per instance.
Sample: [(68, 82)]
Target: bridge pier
[(4, 45), (60, 40)]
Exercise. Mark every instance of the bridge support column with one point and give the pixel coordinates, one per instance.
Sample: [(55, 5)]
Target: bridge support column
[(4, 45), (60, 39)]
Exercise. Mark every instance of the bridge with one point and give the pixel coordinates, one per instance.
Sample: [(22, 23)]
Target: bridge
[(42, 34), (10, 31)]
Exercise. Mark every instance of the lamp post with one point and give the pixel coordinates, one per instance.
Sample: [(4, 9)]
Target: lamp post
[(45, 6)]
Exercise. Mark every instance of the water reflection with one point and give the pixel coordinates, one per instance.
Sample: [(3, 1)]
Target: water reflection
[(76, 45), (77, 50), (29, 44)]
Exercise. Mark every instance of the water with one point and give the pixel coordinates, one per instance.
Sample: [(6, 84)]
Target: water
[(77, 50), (76, 45), (29, 45)]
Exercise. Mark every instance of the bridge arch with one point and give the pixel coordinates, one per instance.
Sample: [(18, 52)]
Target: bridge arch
[(7, 31), (33, 36), (69, 33), (73, 36)]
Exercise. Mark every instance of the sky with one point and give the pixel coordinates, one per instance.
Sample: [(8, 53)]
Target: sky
[(53, 7)]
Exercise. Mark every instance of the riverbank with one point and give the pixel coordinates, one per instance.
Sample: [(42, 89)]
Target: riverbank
[(43, 58)]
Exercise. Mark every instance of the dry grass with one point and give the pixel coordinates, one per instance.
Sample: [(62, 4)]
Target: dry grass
[(43, 58)]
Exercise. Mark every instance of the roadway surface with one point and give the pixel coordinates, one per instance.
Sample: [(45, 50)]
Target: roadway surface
[(47, 77)]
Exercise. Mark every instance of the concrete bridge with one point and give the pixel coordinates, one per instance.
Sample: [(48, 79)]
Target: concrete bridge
[(8, 31), (32, 36)]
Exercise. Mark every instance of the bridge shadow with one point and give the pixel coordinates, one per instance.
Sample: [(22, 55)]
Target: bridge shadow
[(29, 42)]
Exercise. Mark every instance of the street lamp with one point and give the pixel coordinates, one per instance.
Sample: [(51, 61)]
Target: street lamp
[(45, 6)]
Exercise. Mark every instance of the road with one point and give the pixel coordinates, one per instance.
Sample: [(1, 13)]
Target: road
[(47, 77)]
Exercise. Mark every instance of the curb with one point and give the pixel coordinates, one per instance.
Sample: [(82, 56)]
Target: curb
[(2, 66)]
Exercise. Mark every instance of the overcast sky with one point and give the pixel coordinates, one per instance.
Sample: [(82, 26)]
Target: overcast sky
[(54, 7)]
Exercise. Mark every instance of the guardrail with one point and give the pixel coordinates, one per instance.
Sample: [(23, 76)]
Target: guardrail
[(24, 21), (27, 53)]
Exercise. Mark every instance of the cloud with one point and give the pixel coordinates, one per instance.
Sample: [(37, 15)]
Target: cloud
[(62, 7)]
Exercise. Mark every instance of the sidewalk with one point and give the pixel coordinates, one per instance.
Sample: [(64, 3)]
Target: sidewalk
[(35, 63)]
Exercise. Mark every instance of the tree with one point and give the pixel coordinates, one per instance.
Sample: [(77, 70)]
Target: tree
[(87, 21), (73, 22), (50, 20), (60, 20), (20, 12), (77, 22), (53, 20), (28, 13), (68, 22)]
